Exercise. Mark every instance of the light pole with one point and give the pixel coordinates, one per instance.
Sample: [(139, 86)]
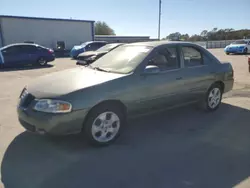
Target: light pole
[(159, 24)]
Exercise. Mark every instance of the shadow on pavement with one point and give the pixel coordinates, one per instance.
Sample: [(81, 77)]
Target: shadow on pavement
[(179, 148), (20, 68)]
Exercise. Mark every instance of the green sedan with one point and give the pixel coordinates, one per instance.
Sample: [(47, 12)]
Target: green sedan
[(133, 79)]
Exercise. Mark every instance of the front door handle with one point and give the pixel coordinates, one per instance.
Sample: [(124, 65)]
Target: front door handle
[(179, 78)]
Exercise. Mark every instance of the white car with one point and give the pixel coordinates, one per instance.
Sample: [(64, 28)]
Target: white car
[(238, 47)]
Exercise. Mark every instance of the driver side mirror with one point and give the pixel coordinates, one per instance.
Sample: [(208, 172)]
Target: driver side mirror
[(151, 69)]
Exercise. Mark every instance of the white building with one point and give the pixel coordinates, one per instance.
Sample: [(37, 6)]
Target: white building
[(45, 31)]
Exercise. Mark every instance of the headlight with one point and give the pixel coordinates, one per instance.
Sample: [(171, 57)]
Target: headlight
[(92, 57), (52, 106)]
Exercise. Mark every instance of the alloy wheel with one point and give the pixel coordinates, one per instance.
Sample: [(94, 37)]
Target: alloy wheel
[(105, 127), (214, 98)]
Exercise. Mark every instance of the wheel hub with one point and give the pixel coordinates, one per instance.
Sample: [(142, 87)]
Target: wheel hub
[(102, 127), (214, 98)]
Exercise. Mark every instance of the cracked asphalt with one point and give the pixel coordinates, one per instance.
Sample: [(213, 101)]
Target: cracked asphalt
[(179, 148)]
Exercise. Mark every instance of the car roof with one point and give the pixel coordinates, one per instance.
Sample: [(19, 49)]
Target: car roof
[(115, 43), (20, 44), (159, 43), (96, 42)]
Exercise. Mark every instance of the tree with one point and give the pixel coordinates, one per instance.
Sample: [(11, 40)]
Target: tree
[(214, 30), (174, 36), (204, 33), (184, 37), (102, 28), (214, 34)]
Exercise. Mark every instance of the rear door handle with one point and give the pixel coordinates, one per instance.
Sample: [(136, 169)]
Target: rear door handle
[(179, 78)]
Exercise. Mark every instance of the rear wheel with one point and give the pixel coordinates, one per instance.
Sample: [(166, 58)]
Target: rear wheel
[(213, 98), (42, 61), (227, 53), (104, 124)]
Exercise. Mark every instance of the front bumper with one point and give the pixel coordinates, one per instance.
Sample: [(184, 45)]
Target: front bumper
[(51, 58), (81, 62), (55, 124), (74, 53), (234, 50)]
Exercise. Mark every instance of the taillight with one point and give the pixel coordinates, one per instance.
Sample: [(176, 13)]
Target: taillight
[(51, 51)]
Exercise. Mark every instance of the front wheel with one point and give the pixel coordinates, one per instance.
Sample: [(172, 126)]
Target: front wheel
[(1, 66), (42, 62), (104, 124), (227, 53), (245, 51), (213, 98)]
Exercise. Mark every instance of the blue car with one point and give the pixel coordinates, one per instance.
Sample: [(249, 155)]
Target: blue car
[(87, 46), (238, 47), (23, 54)]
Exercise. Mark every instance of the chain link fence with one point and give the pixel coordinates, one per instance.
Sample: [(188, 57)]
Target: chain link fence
[(214, 44)]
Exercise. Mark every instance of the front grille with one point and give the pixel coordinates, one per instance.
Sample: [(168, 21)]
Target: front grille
[(81, 57), (25, 99)]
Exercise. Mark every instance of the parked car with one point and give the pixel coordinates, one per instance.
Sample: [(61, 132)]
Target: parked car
[(25, 53), (238, 47), (133, 79), (87, 46), (91, 56)]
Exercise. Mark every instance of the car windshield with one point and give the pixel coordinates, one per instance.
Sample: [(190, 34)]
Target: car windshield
[(84, 44), (107, 47), (240, 42), (123, 59)]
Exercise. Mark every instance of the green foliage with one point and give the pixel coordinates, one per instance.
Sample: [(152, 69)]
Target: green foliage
[(102, 28), (214, 34)]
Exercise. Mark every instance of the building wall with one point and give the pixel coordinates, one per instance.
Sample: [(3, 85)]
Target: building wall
[(46, 32)]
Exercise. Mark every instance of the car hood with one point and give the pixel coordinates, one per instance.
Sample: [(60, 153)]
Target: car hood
[(88, 53), (237, 45), (64, 82), (78, 47), (91, 53)]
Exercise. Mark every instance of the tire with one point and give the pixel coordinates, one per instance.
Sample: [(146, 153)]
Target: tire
[(227, 53), (42, 62), (1, 66), (99, 129), (245, 51), (216, 92)]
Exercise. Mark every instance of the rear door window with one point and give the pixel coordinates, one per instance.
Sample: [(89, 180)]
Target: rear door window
[(28, 49), (12, 50), (192, 56)]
